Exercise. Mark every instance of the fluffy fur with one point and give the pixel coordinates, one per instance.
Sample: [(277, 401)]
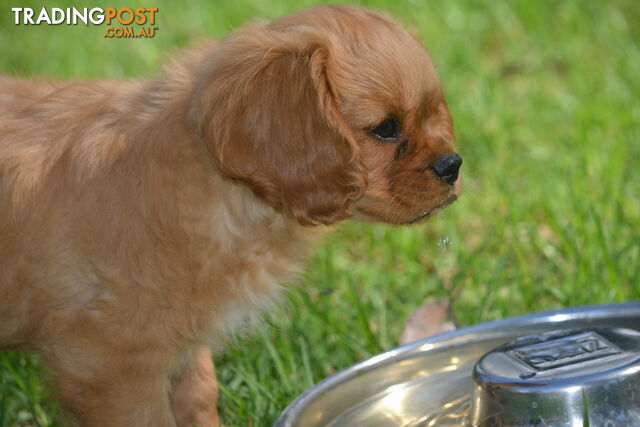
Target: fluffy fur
[(139, 221)]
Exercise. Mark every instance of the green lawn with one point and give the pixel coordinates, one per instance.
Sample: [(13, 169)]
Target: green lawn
[(546, 101)]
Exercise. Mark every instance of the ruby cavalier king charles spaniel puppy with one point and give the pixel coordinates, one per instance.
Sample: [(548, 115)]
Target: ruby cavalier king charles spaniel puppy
[(141, 221)]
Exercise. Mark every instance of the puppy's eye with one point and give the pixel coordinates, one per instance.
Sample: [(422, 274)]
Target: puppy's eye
[(388, 129)]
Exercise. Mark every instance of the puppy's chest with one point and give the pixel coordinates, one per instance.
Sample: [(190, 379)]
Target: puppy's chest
[(239, 260), (236, 267)]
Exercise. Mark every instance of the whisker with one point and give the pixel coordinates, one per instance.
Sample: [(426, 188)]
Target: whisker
[(393, 212)]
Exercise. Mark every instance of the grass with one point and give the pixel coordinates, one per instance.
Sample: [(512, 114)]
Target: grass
[(545, 99)]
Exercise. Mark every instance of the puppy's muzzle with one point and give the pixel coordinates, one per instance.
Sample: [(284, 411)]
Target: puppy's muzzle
[(446, 167)]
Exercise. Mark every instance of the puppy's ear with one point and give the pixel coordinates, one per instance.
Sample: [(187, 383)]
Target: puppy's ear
[(266, 109)]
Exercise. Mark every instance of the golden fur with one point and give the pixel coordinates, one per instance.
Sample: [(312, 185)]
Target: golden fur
[(140, 221)]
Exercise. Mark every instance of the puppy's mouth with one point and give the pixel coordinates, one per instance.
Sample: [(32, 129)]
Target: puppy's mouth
[(426, 214)]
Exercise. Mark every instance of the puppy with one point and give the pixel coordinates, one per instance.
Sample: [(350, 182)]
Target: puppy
[(139, 221)]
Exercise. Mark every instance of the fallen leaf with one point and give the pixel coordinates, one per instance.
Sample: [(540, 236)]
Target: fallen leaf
[(431, 318)]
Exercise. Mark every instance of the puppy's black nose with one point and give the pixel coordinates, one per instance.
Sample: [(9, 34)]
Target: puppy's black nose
[(446, 167)]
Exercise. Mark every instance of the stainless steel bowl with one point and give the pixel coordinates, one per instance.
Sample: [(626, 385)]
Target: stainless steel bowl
[(430, 382)]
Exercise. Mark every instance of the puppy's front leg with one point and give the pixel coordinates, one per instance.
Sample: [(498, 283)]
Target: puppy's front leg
[(194, 393), (103, 387)]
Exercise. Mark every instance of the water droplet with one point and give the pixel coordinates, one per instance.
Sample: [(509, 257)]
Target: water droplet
[(444, 242), (534, 405), (527, 375)]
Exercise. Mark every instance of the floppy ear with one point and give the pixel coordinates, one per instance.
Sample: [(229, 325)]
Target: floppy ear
[(266, 110)]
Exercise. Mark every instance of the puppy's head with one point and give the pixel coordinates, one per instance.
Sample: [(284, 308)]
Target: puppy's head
[(329, 113)]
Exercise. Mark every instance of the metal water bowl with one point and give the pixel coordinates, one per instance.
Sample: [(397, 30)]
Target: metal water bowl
[(573, 367)]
